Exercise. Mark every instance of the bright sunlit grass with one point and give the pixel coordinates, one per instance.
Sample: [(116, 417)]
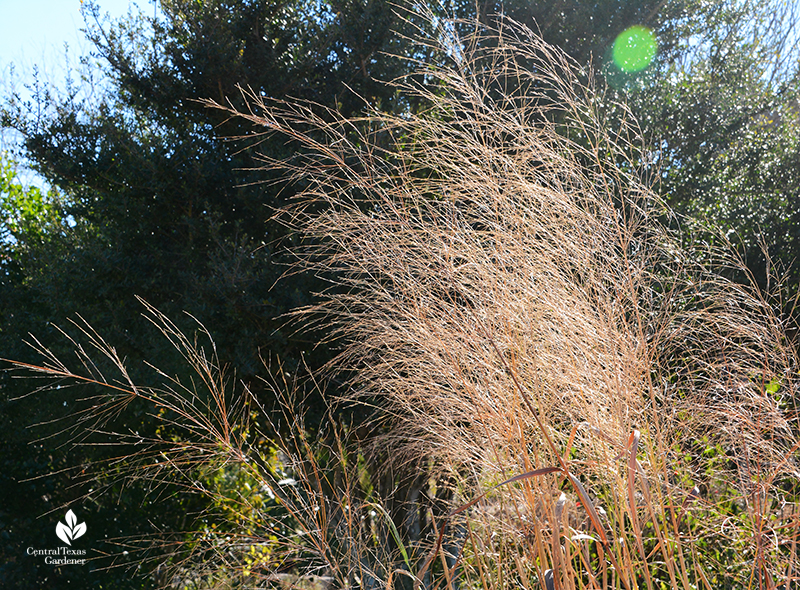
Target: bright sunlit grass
[(581, 400)]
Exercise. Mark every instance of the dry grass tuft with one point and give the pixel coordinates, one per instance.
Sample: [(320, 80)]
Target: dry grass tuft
[(604, 406), (282, 509), (510, 296)]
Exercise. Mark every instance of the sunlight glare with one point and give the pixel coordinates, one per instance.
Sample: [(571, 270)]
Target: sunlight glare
[(634, 49)]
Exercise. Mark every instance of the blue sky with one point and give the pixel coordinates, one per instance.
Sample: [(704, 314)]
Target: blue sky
[(34, 31), (33, 34)]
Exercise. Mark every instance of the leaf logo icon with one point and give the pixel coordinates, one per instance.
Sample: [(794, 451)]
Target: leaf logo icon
[(71, 530)]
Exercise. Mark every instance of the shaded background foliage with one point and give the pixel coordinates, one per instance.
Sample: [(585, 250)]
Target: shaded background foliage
[(150, 199)]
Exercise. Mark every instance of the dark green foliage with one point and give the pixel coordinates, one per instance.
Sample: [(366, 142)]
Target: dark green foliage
[(151, 198), (722, 123), (153, 201), (585, 30)]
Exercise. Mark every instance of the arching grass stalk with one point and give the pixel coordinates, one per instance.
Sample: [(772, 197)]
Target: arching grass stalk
[(512, 300), (513, 295)]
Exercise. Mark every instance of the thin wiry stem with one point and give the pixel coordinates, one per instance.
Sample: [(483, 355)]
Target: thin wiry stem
[(503, 273)]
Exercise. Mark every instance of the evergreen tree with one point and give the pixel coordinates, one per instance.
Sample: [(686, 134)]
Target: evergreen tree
[(154, 201), (151, 198)]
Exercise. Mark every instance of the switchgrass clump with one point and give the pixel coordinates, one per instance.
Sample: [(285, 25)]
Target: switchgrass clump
[(595, 402), (511, 294)]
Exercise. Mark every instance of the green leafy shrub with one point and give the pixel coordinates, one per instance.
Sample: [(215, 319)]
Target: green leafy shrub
[(589, 403)]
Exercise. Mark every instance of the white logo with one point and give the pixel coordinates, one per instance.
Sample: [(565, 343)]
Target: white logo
[(71, 530)]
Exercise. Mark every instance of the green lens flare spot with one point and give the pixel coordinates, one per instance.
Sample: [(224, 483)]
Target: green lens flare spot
[(634, 49)]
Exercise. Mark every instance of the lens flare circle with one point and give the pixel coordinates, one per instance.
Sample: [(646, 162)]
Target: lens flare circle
[(634, 49)]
